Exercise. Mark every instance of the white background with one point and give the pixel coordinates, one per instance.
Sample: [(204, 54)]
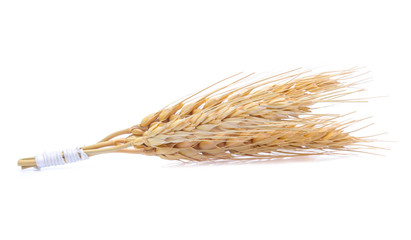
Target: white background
[(72, 72)]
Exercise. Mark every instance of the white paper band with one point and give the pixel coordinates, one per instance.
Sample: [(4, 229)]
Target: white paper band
[(48, 159)]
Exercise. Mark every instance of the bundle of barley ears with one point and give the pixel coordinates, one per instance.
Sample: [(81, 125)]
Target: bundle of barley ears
[(245, 117)]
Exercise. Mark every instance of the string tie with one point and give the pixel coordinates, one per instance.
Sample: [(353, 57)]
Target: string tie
[(55, 158)]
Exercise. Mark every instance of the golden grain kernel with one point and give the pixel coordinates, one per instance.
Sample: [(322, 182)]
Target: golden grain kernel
[(172, 117), (206, 145), (260, 137), (149, 119), (137, 132), (184, 144), (164, 115), (197, 110)]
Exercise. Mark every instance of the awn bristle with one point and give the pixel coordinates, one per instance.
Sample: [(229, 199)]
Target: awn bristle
[(253, 117)]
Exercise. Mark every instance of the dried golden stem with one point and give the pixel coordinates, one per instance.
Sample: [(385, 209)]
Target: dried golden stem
[(115, 134)]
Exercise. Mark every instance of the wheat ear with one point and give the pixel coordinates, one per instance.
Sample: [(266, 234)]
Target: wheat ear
[(246, 116)]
